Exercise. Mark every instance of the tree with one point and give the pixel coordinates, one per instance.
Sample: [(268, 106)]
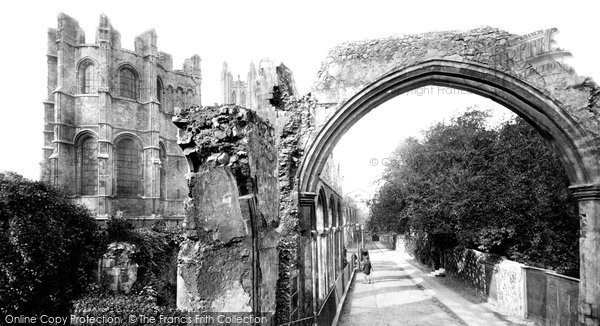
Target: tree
[(49, 248), (501, 191)]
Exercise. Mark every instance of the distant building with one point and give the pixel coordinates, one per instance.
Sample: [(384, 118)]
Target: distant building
[(234, 91), (108, 136)]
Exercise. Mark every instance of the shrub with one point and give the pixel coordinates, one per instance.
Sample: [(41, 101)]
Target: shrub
[(122, 306), (49, 248)]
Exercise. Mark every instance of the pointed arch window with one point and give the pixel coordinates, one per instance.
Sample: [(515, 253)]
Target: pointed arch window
[(128, 83), (88, 154), (129, 165), (159, 90), (87, 78), (163, 171)]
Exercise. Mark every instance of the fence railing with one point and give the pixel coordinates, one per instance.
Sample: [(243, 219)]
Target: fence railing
[(331, 303)]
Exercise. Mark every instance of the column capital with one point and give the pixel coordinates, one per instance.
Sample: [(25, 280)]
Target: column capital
[(307, 198), (586, 192)]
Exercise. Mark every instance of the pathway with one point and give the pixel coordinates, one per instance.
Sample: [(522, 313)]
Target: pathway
[(401, 294)]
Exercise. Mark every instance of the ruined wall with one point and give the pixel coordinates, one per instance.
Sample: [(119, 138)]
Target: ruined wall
[(229, 261)]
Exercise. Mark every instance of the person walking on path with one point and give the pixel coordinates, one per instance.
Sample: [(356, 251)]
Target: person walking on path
[(366, 269)]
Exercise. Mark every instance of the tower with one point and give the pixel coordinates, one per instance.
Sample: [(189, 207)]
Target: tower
[(108, 137)]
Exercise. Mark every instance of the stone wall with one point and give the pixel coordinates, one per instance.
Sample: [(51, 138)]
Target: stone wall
[(229, 261), (500, 280), (118, 268)]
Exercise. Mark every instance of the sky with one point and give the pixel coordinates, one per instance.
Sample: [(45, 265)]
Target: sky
[(298, 34)]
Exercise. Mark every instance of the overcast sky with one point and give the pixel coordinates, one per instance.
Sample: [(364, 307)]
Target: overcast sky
[(296, 33)]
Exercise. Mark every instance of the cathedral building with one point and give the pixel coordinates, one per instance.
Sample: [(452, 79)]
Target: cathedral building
[(108, 137)]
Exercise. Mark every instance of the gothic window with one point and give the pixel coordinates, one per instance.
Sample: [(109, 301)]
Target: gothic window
[(159, 90), (321, 221), (87, 78), (89, 166), (233, 98), (169, 100), (190, 98), (129, 164), (127, 82), (179, 98), (163, 178), (243, 99), (333, 213)]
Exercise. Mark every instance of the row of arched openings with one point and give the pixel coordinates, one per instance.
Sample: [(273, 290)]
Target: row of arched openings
[(329, 245), (241, 101), (128, 165), (88, 75), (128, 86)]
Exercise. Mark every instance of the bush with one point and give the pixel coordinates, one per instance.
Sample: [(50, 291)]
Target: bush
[(49, 248), (122, 306)]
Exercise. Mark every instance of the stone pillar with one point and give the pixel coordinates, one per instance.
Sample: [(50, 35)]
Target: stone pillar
[(146, 46), (105, 132), (307, 265), (589, 249)]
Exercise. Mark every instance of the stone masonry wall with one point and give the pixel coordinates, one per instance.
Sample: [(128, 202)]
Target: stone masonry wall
[(499, 279), (229, 261)]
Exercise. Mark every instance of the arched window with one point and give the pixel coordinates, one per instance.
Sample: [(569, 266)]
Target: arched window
[(340, 215), (169, 101), (87, 78), (333, 213), (127, 83), (190, 98), (321, 222), (243, 99), (129, 165), (88, 152), (163, 178), (233, 98), (179, 98), (159, 90)]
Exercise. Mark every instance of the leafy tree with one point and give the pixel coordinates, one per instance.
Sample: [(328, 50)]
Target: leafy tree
[(49, 248), (501, 191)]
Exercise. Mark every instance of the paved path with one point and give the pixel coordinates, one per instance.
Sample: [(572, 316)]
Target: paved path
[(401, 294)]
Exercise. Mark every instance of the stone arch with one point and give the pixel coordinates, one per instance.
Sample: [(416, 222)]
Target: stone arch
[(321, 246), (555, 111), (565, 136)]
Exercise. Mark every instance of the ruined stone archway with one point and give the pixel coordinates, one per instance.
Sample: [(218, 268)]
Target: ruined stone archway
[(566, 137), (563, 107)]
